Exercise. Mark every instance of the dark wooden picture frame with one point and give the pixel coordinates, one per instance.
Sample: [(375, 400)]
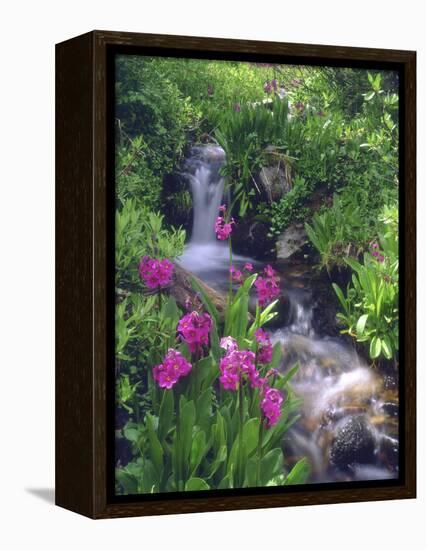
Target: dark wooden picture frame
[(83, 258)]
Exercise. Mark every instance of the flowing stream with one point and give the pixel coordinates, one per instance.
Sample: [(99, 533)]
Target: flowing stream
[(348, 426)]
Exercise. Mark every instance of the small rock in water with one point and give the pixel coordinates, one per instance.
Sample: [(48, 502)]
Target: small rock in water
[(354, 443)]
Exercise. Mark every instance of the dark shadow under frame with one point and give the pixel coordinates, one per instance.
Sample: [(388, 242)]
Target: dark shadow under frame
[(85, 272)]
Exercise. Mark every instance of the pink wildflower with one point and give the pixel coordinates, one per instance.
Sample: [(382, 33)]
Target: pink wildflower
[(173, 367), (222, 208), (248, 266), (194, 329), (228, 343), (155, 273), (267, 287), (238, 366), (265, 350), (223, 229), (237, 107), (271, 405), (269, 271), (236, 274)]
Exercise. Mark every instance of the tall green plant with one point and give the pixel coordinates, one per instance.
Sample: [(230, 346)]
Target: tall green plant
[(370, 311)]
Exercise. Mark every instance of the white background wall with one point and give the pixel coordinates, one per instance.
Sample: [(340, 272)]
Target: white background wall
[(29, 30)]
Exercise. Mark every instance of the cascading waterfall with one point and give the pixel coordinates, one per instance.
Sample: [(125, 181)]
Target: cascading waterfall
[(205, 255), (343, 398)]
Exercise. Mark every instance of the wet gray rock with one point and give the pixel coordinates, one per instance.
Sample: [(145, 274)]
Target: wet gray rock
[(251, 238), (292, 240), (354, 443), (389, 449), (273, 181)]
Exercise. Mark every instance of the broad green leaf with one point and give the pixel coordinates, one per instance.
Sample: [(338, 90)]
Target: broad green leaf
[(196, 484), (251, 434), (156, 450), (166, 414), (271, 465), (299, 473), (375, 347), (198, 451), (360, 326)]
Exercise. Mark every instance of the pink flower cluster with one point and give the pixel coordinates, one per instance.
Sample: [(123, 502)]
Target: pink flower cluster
[(194, 329), (173, 367), (264, 353), (266, 286), (237, 275), (375, 252), (271, 405), (222, 228), (155, 273), (237, 366)]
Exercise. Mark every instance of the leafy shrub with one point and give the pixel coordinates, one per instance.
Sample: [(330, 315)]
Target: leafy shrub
[(134, 178), (139, 232), (244, 135), (370, 305), (339, 232)]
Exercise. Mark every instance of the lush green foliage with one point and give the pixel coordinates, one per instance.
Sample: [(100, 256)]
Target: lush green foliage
[(139, 232), (198, 437), (334, 133), (370, 304), (152, 121)]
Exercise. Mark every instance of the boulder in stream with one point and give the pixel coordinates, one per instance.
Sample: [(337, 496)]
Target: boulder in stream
[(354, 443), (251, 238)]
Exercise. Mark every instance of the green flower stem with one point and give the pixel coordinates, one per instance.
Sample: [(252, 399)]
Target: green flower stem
[(230, 275), (259, 451), (240, 433)]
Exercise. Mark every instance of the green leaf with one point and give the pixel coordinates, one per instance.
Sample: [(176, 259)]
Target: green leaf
[(186, 424), (276, 356), (251, 434), (341, 297), (271, 465), (156, 450), (196, 484), (375, 347), (387, 347), (204, 410), (289, 375), (128, 482), (225, 483), (165, 417), (132, 434), (360, 326), (198, 451), (299, 473), (251, 473)]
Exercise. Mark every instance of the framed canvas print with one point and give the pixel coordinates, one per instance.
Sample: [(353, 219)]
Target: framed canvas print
[(235, 274)]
